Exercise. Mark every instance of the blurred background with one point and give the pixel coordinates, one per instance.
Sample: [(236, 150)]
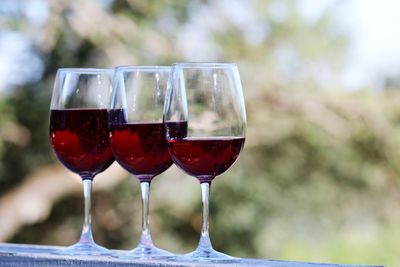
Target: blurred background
[(319, 178)]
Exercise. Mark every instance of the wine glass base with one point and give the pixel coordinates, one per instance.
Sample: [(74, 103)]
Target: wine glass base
[(207, 255), (146, 252), (83, 249)]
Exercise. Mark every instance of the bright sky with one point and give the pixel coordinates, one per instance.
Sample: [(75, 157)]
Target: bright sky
[(376, 28)]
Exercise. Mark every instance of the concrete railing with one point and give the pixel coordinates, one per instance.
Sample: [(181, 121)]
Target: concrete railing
[(13, 255)]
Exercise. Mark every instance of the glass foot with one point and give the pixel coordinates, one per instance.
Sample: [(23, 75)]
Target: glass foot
[(207, 255), (146, 252), (84, 249)]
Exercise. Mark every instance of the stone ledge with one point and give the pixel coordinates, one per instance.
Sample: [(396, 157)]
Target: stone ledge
[(17, 255)]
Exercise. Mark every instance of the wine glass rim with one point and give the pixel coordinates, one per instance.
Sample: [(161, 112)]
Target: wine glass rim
[(142, 68), (204, 64), (86, 70)]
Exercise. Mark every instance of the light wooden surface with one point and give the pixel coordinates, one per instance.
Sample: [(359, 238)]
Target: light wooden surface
[(13, 255)]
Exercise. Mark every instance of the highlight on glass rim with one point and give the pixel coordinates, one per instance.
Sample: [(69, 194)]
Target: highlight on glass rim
[(241, 133)]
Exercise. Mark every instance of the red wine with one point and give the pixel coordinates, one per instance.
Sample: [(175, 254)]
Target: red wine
[(205, 158), (79, 138), (140, 148), (176, 129)]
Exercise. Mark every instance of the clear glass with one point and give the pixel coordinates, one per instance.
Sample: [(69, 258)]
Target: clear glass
[(137, 137), (205, 121), (79, 137)]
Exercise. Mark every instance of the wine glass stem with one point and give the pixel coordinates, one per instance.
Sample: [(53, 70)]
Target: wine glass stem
[(86, 235), (145, 238), (205, 199)]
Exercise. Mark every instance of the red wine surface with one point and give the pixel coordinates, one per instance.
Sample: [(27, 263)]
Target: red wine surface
[(205, 158), (79, 138), (140, 148)]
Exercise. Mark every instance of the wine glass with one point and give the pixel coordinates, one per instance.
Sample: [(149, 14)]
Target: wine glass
[(137, 137), (79, 136), (205, 121)]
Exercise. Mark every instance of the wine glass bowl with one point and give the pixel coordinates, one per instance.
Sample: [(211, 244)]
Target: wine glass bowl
[(79, 136), (207, 157), (205, 122)]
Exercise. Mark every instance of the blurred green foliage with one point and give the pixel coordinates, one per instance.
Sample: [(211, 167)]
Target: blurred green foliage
[(318, 179)]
